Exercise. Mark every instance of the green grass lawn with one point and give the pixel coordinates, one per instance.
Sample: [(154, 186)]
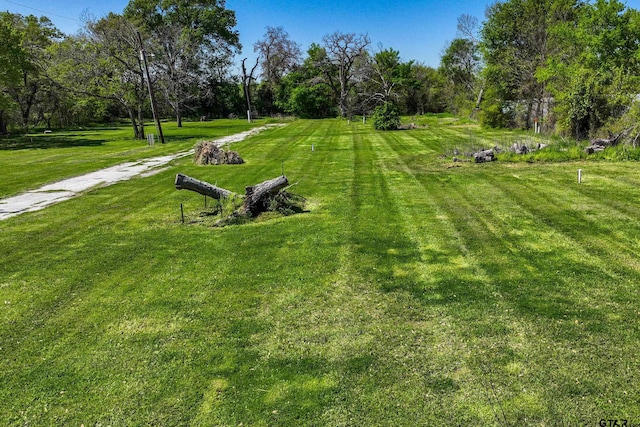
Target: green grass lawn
[(28, 162), (411, 292)]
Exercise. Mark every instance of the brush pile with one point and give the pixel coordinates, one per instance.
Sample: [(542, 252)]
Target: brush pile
[(209, 153)]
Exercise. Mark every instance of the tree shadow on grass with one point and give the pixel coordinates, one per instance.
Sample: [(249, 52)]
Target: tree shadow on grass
[(47, 141)]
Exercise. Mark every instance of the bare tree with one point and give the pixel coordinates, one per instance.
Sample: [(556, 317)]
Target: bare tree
[(467, 27), (278, 54), (246, 84), (385, 74), (343, 50), (178, 60)]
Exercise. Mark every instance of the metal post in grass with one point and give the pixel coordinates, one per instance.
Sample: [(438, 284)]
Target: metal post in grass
[(182, 212), (152, 99), (579, 176)]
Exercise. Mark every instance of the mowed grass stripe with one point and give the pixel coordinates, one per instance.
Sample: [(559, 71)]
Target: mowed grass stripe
[(450, 270), (476, 219), (593, 227), (413, 343)]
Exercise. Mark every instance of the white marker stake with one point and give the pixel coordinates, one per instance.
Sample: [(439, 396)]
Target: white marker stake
[(579, 176)]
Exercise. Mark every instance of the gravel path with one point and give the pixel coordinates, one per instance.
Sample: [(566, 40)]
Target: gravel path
[(66, 189)]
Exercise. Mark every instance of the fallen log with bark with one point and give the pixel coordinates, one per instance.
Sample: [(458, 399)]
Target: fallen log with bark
[(256, 195), (600, 144), (184, 182)]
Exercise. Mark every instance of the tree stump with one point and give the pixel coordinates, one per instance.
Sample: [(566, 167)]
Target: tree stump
[(255, 200)]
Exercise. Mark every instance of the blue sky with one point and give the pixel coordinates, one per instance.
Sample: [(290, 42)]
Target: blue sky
[(419, 29)]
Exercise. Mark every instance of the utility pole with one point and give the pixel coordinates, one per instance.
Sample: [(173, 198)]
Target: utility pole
[(143, 56)]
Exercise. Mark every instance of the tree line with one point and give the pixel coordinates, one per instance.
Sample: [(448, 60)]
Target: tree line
[(564, 66)]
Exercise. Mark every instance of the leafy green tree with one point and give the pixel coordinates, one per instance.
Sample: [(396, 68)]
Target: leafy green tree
[(221, 96), (516, 43), (312, 102), (185, 36), (105, 63), (594, 71), (387, 78), (23, 82), (306, 91), (385, 75), (386, 117), (460, 64), (426, 91), (219, 92), (70, 102), (11, 58)]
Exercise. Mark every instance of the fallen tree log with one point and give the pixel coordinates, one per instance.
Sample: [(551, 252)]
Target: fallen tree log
[(612, 141), (184, 182), (256, 199), (600, 144), (594, 149)]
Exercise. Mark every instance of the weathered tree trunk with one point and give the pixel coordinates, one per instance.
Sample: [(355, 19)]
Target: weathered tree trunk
[(479, 100), (3, 124), (612, 141), (134, 123), (600, 144), (140, 121), (246, 84), (255, 194), (184, 182)]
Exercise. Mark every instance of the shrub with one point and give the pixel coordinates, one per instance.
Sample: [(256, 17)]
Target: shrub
[(386, 117)]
